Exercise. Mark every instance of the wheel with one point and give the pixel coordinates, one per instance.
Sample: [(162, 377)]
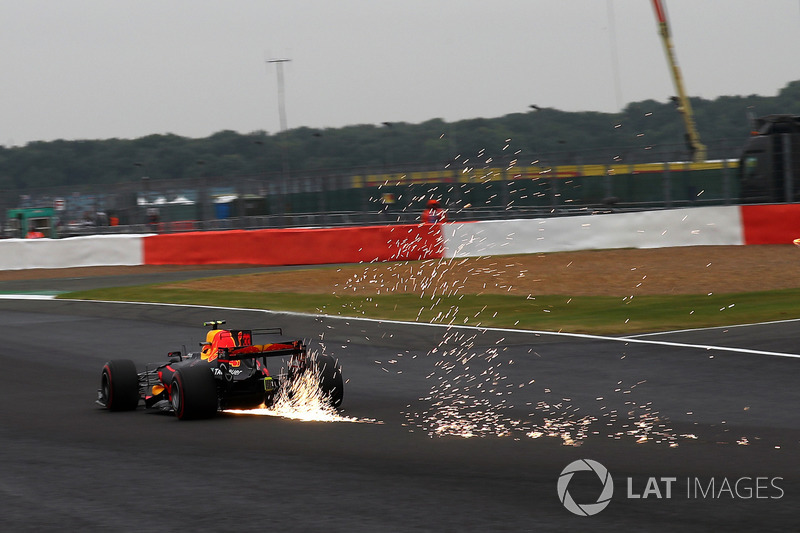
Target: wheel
[(194, 393), (269, 399), (119, 385), (331, 382)]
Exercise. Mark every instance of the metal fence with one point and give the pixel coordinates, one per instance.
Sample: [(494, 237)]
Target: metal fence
[(556, 184)]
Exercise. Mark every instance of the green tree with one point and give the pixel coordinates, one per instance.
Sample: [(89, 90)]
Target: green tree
[(646, 129)]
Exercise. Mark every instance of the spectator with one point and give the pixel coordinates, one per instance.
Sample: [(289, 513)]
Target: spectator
[(434, 214), (153, 218)]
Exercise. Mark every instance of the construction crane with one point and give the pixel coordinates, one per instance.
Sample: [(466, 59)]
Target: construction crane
[(697, 148)]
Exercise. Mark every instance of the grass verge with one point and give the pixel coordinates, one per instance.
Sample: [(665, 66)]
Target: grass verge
[(585, 314)]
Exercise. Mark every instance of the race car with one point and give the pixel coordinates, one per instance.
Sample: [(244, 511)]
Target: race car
[(229, 372)]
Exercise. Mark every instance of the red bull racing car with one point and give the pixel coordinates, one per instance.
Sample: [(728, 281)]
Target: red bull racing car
[(230, 372)]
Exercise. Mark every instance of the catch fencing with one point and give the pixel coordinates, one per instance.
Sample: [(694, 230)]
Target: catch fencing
[(552, 185)]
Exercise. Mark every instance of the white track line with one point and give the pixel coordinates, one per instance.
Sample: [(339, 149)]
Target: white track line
[(27, 297), (626, 340), (734, 326)]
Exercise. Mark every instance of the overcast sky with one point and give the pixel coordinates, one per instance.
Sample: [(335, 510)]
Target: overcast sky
[(97, 69)]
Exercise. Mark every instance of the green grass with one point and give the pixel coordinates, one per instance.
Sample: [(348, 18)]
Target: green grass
[(595, 314)]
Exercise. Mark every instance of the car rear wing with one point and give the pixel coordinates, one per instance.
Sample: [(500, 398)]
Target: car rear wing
[(257, 351)]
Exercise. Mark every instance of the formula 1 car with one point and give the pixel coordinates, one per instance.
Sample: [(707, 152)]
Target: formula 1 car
[(230, 372)]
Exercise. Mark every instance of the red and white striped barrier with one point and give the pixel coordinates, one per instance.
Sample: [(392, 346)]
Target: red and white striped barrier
[(301, 246), (297, 246), (700, 226), (770, 224), (645, 229), (94, 250)]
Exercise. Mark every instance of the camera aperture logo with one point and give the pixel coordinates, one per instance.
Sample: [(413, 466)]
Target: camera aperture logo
[(663, 488), (585, 509)]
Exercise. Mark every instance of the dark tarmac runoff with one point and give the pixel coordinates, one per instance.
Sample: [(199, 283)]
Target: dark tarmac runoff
[(694, 438)]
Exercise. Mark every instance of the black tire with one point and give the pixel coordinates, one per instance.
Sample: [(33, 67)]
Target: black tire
[(194, 393), (119, 385), (331, 382), (269, 399)]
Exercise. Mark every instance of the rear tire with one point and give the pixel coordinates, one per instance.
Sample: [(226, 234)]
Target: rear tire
[(194, 393), (119, 385), (331, 381)]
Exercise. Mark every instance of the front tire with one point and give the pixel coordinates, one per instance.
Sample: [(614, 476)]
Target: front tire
[(119, 385), (194, 393)]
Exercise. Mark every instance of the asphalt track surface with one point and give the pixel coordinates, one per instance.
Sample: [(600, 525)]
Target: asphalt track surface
[(66, 464)]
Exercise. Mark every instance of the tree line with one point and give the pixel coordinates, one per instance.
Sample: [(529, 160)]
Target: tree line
[(643, 129)]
